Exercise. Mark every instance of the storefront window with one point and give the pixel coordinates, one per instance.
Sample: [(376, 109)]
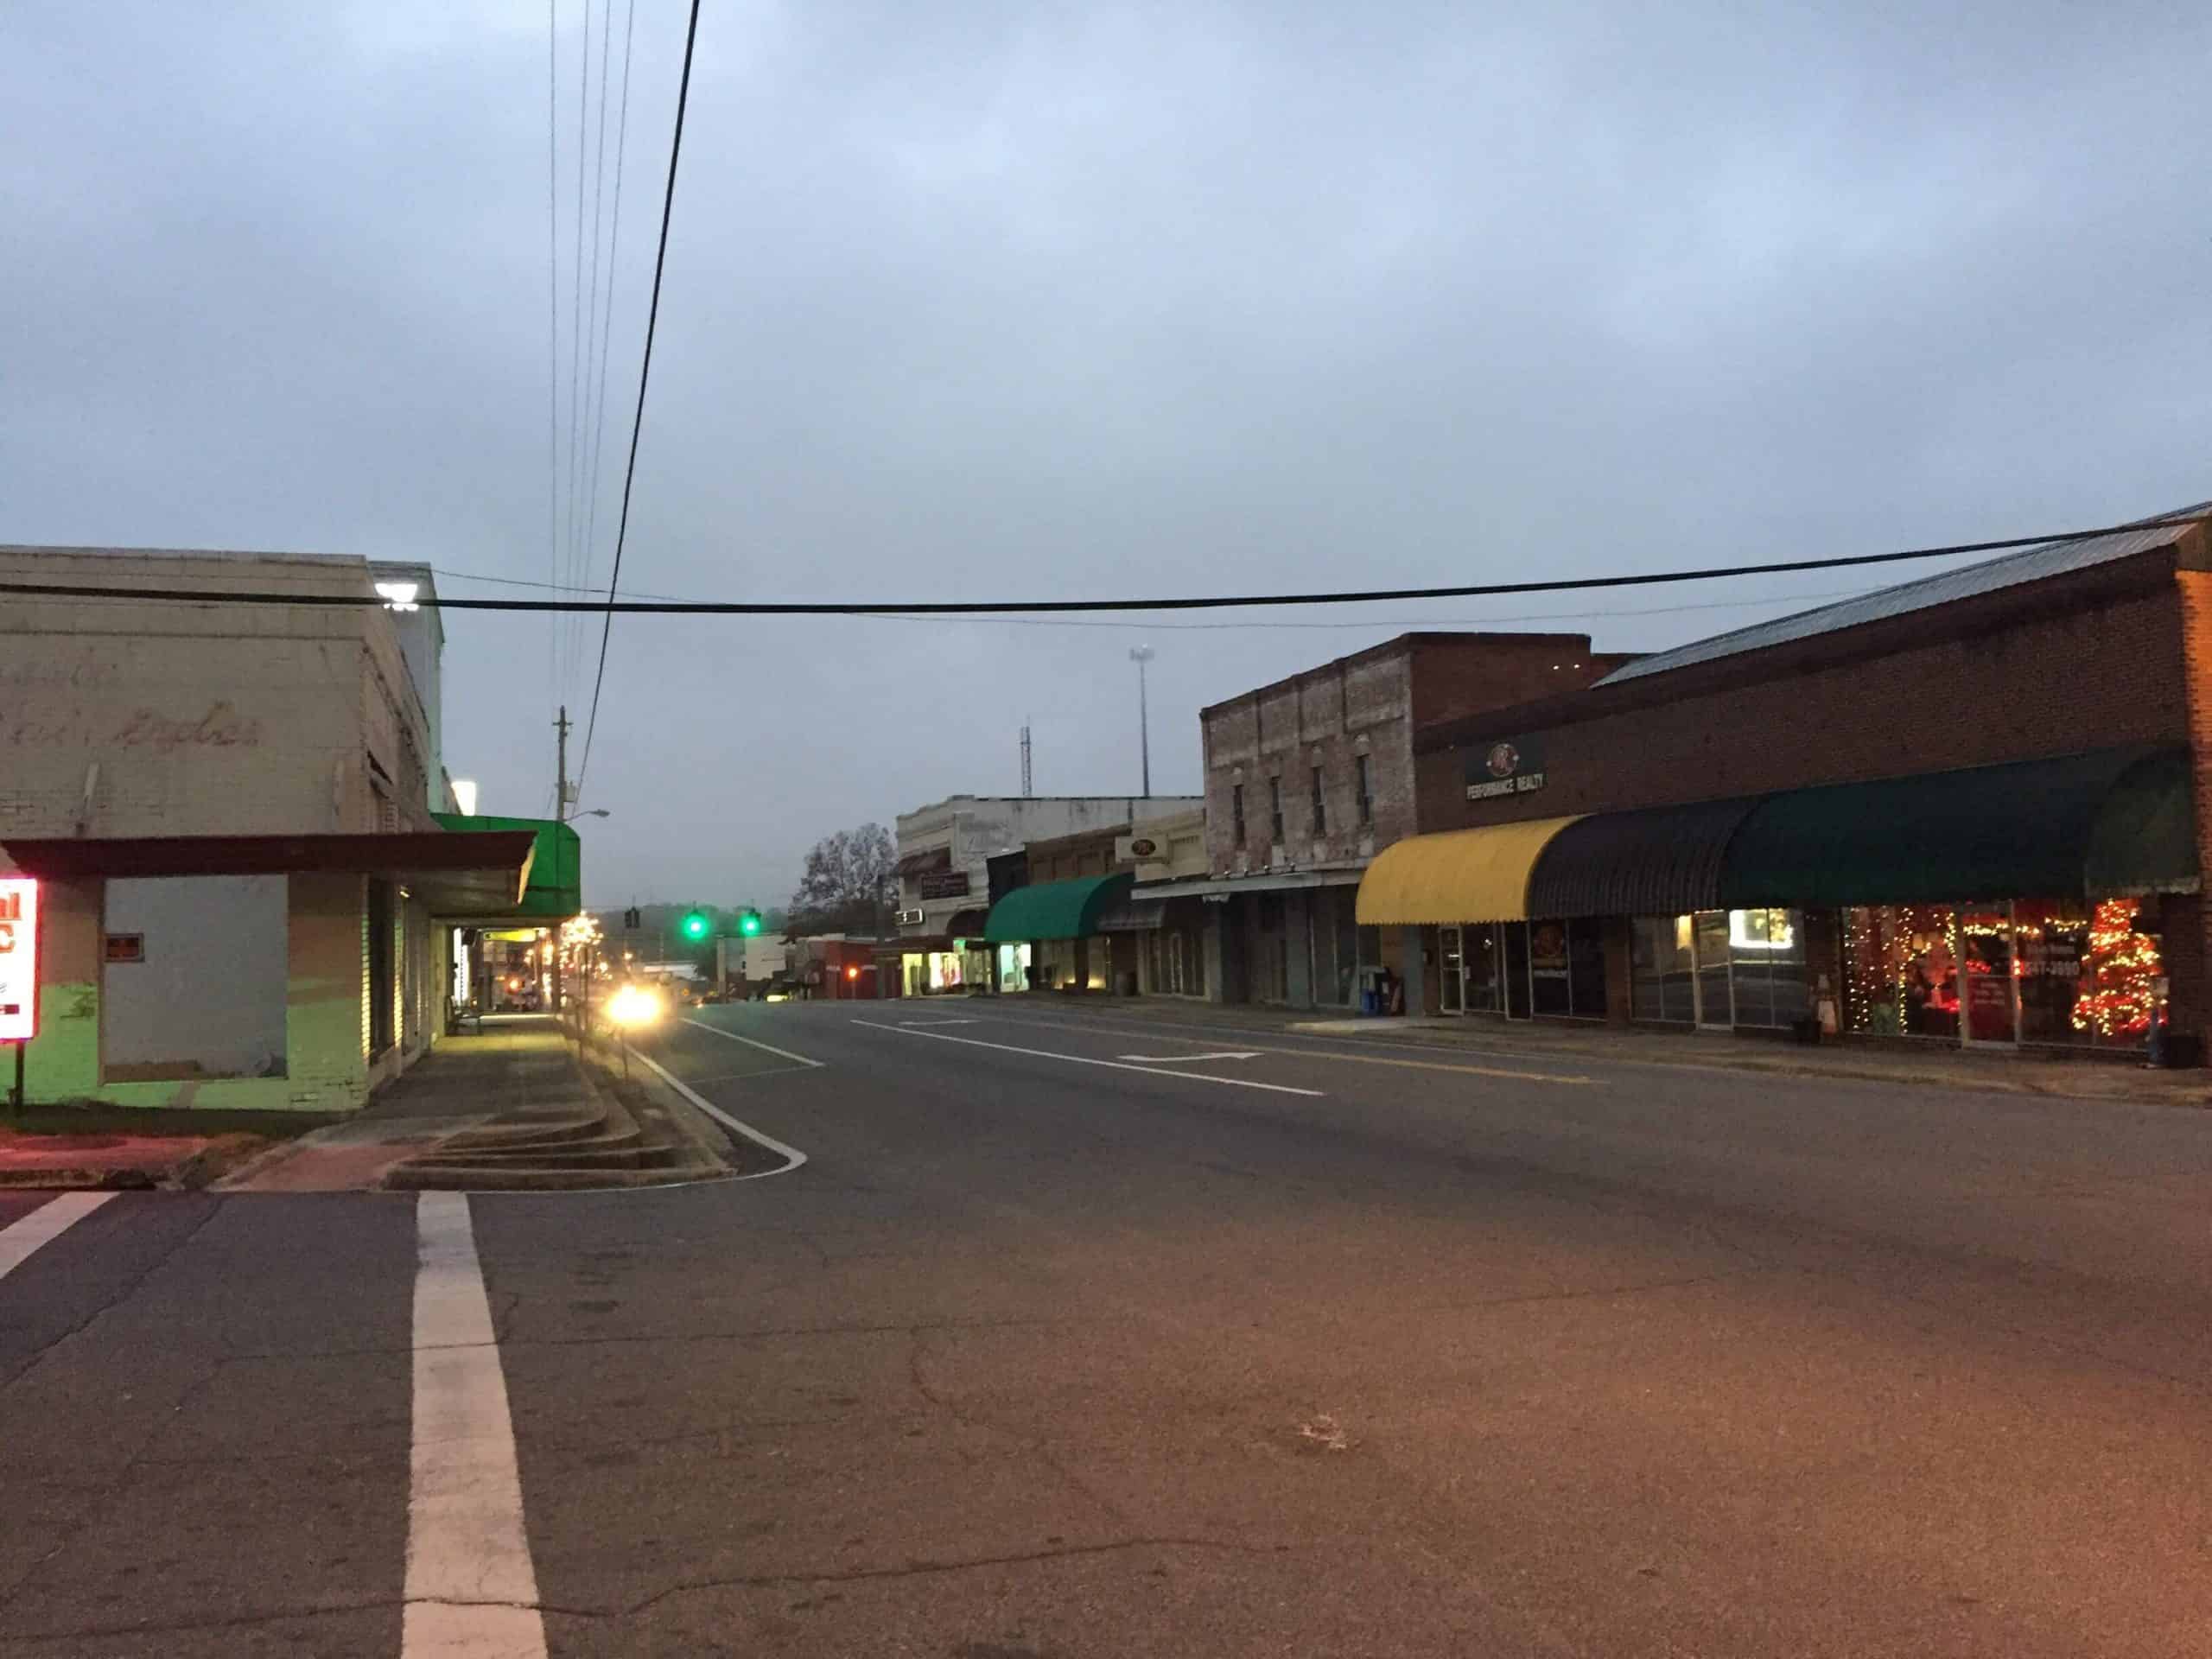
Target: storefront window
[(1901, 970), (1014, 968), (2119, 979), (945, 970), (1548, 992), (1984, 936), (1661, 970), (914, 972), (1766, 967)]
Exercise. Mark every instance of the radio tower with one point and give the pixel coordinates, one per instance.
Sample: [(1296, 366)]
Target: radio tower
[(1025, 791)]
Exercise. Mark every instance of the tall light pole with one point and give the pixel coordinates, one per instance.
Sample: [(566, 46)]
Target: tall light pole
[(1140, 655)]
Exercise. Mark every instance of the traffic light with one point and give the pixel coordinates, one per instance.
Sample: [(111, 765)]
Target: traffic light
[(749, 923), (696, 925)]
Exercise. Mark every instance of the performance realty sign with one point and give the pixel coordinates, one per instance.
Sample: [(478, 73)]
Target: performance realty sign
[(1511, 766)]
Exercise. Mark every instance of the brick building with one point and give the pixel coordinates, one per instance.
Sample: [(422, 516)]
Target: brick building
[(945, 851), (1939, 810), (1075, 912), (1307, 779), (229, 811)]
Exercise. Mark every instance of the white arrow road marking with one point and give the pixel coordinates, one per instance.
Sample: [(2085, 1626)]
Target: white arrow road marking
[(1084, 1059), (43, 1225), (1179, 1059)]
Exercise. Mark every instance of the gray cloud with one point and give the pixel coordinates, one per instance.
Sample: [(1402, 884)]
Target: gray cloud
[(973, 301)]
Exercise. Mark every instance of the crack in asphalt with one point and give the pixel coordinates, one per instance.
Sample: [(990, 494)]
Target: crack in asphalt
[(113, 1302)]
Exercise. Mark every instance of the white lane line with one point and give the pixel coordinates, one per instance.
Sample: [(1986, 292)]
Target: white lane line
[(1184, 1059), (784, 1053), (793, 1157), (23, 1236), (1084, 1059), (472, 1590)]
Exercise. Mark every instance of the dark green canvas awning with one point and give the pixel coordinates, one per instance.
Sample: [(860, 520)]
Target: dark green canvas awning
[(1056, 910), (555, 889), (2031, 829)]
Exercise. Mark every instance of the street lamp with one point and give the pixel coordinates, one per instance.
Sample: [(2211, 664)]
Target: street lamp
[(1140, 655)]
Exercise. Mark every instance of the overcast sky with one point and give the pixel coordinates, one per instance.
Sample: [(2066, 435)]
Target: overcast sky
[(975, 301)]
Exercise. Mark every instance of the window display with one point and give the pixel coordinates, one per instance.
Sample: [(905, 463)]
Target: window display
[(1718, 968)]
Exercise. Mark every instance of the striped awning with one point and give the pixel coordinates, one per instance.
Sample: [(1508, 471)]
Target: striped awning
[(1662, 861), (1460, 875)]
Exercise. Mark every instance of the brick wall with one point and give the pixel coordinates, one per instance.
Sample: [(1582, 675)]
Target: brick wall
[(1365, 705), (2101, 670), (161, 719)]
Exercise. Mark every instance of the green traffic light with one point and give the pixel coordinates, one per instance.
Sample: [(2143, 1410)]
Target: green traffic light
[(749, 924), (695, 926)]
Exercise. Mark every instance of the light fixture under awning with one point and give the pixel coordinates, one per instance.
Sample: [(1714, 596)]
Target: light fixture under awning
[(1460, 875)]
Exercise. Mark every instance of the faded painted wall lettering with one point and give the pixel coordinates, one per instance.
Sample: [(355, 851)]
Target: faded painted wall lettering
[(221, 728)]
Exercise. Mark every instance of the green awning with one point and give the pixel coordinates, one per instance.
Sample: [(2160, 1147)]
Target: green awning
[(2144, 838), (555, 889), (1056, 910), (2051, 829)]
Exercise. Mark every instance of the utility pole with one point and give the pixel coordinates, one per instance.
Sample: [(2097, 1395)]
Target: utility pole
[(1140, 655), (1027, 791), (561, 801)]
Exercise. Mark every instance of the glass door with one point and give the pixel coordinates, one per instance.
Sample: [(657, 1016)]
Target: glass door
[(1481, 971), (1452, 977), (1709, 940), (1988, 990)]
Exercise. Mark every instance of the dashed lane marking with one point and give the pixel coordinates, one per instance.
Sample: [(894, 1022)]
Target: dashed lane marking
[(1084, 1059), (782, 1053)]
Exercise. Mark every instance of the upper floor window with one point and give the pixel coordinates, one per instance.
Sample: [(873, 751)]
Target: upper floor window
[(1275, 808), (1366, 794), (1320, 806), (1237, 811)]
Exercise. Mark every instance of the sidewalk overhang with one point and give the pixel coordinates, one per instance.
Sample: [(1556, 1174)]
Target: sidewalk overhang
[(454, 875), (554, 892), (1223, 887)]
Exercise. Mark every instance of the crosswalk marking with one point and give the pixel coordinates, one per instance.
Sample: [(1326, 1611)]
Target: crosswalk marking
[(26, 1234), (471, 1589)]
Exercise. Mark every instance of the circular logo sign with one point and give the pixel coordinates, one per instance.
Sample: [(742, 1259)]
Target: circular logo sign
[(1503, 760), (1143, 847)]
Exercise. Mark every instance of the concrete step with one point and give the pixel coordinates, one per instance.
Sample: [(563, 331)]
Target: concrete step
[(641, 1155), (584, 1122), (466, 1177)]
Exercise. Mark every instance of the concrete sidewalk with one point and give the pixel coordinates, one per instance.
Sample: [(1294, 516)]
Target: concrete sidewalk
[(1990, 1071), (519, 1068)]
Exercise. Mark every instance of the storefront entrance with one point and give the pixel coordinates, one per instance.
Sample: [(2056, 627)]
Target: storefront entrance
[(1719, 968)]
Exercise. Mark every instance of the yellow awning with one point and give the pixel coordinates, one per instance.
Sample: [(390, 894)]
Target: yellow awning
[(1460, 875)]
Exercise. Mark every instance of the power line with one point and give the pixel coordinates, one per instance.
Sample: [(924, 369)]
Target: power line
[(607, 322), (645, 374), (552, 333), (1250, 623), (576, 279), (611, 608), (578, 548)]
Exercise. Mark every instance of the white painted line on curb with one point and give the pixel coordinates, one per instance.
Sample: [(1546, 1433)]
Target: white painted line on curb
[(1084, 1059), (794, 1156), (20, 1237), (472, 1590), (783, 1052)]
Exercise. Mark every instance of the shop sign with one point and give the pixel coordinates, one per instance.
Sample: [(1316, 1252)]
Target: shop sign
[(18, 958), (910, 919), (1548, 950), (942, 884), (125, 947), (1510, 766)]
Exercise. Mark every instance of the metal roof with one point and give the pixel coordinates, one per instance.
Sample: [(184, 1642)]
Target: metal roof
[(2029, 564)]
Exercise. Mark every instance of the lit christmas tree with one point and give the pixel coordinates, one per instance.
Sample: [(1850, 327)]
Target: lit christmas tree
[(2117, 997)]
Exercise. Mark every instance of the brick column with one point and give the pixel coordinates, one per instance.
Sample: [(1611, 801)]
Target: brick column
[(2186, 941)]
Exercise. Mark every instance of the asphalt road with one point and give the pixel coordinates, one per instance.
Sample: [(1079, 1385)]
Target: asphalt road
[(1064, 1342)]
